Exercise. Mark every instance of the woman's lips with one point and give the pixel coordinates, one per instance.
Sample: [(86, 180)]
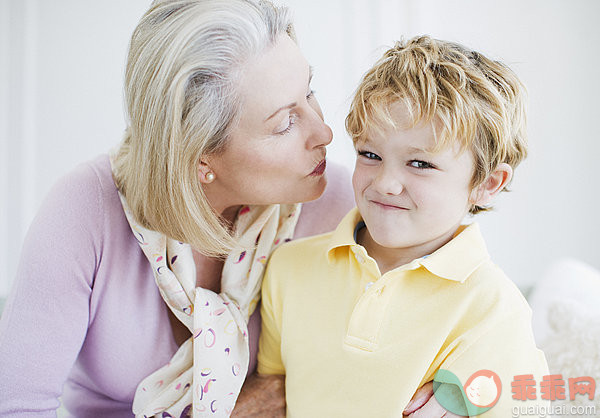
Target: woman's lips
[(319, 169)]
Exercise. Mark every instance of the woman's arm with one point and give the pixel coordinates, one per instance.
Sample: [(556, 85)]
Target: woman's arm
[(261, 396), (45, 320)]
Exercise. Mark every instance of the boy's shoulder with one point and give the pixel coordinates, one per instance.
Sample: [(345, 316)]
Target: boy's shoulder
[(479, 283), (302, 250), (316, 247), (467, 256), (297, 265), (488, 287)]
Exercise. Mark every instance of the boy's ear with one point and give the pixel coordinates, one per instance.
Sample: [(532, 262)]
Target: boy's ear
[(484, 193)]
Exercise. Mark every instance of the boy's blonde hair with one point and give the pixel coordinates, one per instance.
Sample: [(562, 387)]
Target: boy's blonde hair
[(182, 99), (477, 101)]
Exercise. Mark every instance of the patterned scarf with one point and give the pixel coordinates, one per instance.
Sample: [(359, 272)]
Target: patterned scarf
[(205, 375)]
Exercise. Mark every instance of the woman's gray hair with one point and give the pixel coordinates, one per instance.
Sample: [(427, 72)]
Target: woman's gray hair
[(182, 99)]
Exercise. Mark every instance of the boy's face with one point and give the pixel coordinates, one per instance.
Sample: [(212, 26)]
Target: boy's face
[(411, 199)]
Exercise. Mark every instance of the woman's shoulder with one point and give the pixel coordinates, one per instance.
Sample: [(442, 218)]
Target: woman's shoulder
[(79, 203), (85, 189), (87, 178), (325, 213)]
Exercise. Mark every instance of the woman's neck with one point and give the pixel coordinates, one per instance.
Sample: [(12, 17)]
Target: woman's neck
[(229, 214)]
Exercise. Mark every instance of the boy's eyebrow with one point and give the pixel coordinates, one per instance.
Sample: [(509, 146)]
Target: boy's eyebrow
[(417, 149), (292, 105)]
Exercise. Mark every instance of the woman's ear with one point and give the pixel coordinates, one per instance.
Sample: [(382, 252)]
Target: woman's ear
[(484, 193), (205, 174)]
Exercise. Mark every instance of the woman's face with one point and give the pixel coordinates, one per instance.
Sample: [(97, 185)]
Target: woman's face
[(276, 152)]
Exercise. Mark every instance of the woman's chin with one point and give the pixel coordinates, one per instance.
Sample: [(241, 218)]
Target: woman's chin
[(316, 192), (306, 194), (295, 194)]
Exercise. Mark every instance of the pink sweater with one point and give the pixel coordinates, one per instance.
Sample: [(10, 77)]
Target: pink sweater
[(85, 320)]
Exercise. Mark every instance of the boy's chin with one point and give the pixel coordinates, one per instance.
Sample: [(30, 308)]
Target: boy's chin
[(386, 240)]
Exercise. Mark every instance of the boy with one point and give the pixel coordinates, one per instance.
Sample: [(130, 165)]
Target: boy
[(359, 318)]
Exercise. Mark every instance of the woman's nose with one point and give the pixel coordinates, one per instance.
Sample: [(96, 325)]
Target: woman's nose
[(320, 133), (323, 135)]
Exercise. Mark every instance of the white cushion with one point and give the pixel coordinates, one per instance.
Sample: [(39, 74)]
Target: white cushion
[(566, 279)]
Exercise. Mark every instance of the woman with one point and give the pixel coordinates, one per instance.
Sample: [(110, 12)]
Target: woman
[(141, 269), (222, 125)]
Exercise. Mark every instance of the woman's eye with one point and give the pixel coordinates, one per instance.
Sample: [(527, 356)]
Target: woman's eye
[(369, 155), (310, 94), (282, 130), (420, 164)]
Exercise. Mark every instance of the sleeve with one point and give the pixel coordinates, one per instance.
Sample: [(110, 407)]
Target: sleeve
[(46, 316), (269, 346), (508, 349)]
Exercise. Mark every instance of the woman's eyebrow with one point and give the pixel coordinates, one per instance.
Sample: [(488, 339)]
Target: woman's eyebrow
[(289, 106), (292, 105)]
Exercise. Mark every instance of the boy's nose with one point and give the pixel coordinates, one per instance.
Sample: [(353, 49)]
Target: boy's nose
[(388, 183)]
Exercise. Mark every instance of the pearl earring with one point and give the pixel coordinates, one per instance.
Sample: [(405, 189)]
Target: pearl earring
[(210, 176)]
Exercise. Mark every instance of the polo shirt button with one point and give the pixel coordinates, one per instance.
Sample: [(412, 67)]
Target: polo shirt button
[(368, 285), (360, 259)]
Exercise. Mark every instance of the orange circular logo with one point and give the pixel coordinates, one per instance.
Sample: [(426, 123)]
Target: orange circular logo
[(483, 388)]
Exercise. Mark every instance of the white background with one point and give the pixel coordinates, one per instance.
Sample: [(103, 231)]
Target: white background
[(61, 70)]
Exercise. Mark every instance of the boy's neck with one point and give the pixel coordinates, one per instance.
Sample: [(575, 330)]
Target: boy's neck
[(390, 258)]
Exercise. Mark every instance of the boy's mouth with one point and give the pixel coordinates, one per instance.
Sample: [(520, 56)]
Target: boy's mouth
[(387, 206)]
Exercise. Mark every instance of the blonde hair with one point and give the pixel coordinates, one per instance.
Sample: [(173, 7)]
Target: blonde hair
[(477, 101), (184, 59)]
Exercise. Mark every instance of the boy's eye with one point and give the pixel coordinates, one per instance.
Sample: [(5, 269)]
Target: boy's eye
[(369, 155), (420, 164), (310, 95)]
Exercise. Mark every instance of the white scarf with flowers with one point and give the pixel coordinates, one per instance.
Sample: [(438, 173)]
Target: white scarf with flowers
[(205, 375)]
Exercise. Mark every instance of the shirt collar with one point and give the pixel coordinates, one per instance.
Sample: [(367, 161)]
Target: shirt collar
[(467, 246), (344, 234), (460, 257)]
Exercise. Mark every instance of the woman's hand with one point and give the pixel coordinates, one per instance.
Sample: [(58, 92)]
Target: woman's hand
[(424, 405), (261, 396)]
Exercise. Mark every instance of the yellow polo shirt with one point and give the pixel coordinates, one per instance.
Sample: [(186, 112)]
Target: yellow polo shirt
[(355, 343)]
